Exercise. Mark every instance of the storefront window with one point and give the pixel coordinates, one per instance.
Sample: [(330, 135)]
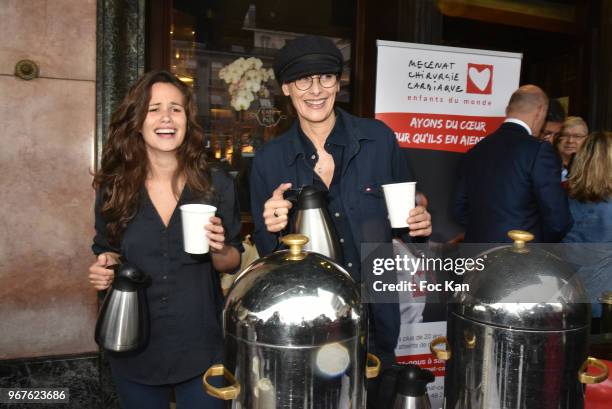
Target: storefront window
[(225, 51)]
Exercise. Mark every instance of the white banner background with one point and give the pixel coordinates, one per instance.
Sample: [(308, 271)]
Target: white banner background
[(443, 99)]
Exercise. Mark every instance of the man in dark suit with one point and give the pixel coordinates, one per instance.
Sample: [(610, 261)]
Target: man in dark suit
[(510, 180)]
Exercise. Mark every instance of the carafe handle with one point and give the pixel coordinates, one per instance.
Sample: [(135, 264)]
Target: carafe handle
[(129, 271)]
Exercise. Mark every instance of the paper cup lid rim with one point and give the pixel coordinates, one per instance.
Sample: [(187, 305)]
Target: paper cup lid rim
[(399, 183), (197, 208)]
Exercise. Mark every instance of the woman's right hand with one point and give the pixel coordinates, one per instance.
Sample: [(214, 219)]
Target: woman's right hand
[(276, 209), (99, 275)]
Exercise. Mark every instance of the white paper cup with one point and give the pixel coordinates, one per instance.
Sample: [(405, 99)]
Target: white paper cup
[(195, 217), (400, 199)]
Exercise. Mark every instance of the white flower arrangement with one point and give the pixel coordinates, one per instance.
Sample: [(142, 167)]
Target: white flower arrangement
[(246, 77)]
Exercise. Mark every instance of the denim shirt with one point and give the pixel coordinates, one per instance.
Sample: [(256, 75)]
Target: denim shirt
[(335, 145), (371, 158), (592, 222)]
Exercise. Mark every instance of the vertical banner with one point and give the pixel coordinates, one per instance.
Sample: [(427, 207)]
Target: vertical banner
[(440, 102), (443, 98)]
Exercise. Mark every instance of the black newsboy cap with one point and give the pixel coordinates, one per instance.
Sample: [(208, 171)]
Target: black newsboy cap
[(307, 55)]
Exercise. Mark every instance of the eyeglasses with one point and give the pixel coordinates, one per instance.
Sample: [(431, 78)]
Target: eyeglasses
[(572, 136), (325, 80), (548, 134)]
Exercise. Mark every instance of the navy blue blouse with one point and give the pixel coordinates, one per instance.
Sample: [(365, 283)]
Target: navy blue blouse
[(184, 297), (335, 145)]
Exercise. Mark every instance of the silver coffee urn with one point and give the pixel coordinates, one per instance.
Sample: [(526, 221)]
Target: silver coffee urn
[(519, 337), (295, 335)]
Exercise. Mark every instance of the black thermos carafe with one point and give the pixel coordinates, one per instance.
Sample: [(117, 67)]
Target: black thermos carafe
[(411, 388), (123, 321)]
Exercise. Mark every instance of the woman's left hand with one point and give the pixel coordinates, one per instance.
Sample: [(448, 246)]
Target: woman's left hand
[(225, 259), (216, 234)]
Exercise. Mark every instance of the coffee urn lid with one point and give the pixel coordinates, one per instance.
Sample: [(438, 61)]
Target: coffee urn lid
[(294, 298), (524, 287)]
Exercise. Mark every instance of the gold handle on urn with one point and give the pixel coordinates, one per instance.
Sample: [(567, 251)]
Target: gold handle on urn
[(470, 339), (520, 237), (225, 393), (372, 371), (586, 378), (295, 242), (441, 354)]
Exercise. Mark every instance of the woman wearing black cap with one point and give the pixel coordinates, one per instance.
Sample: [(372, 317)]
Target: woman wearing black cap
[(349, 157)]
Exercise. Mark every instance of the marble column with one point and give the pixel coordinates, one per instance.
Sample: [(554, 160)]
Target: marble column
[(120, 57)]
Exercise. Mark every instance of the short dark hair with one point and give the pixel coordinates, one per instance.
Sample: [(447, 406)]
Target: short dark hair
[(556, 113)]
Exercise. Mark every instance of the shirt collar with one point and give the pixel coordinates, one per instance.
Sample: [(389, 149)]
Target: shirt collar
[(336, 137), (150, 212), (350, 133), (519, 122), (304, 146)]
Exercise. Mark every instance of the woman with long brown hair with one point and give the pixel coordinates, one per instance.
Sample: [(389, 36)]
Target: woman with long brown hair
[(152, 163), (590, 191), (590, 199)]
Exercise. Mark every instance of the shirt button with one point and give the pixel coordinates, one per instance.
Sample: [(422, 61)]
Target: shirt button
[(341, 240), (313, 157), (165, 277), (337, 214), (349, 264)]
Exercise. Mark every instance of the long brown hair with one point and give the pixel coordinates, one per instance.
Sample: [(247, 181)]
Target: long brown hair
[(125, 164), (591, 177)]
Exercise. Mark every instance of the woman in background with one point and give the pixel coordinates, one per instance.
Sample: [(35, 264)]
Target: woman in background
[(590, 193), (152, 163), (571, 136)]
